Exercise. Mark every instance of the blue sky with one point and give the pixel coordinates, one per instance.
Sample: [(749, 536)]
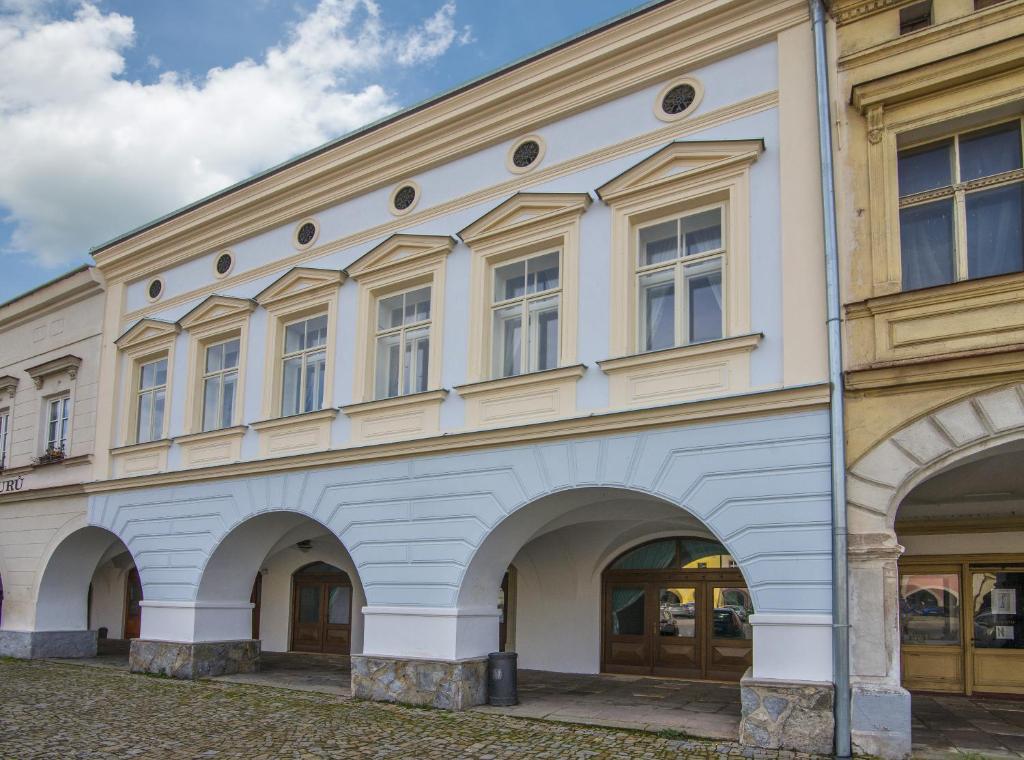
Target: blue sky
[(115, 112)]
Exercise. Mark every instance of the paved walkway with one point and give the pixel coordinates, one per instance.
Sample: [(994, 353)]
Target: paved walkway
[(946, 727), (710, 710), (56, 710)]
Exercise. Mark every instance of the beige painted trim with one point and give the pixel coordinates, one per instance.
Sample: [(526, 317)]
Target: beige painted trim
[(147, 341), (681, 177), (297, 434), (212, 447), (140, 458), (933, 526), (724, 115), (415, 201), (510, 155), (216, 320), (213, 263), (647, 48), (524, 225), (109, 405), (684, 372), (163, 289), (295, 233), (397, 418), (698, 90), (400, 263), (299, 294), (745, 406), (529, 397)]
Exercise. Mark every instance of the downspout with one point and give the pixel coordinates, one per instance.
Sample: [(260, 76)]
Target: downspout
[(840, 593)]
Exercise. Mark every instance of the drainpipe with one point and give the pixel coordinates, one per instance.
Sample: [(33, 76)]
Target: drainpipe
[(840, 594)]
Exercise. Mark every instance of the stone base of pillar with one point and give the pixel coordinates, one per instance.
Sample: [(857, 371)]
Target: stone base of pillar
[(34, 645), (445, 684), (203, 659), (793, 715), (880, 721)]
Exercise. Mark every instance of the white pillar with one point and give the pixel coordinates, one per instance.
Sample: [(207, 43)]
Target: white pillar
[(193, 622)]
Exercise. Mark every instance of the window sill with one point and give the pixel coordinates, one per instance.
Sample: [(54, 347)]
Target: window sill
[(212, 447), (140, 458), (297, 434), (682, 373), (412, 416), (522, 398), (78, 459)]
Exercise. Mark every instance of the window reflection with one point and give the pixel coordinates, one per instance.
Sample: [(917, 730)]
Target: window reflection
[(930, 608), (998, 621)]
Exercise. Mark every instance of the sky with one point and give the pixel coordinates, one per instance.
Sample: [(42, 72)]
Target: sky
[(115, 112)]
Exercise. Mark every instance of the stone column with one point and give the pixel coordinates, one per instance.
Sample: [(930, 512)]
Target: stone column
[(880, 720), (787, 696), (195, 639), (434, 656)]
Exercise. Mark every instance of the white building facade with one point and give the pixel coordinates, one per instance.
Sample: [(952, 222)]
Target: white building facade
[(540, 364)]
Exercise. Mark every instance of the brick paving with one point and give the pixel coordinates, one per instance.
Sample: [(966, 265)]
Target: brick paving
[(54, 710)]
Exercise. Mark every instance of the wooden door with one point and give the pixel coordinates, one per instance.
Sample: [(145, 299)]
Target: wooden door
[(996, 634), (308, 617), (255, 599), (730, 642), (627, 622), (337, 629), (321, 611), (677, 638), (132, 608)]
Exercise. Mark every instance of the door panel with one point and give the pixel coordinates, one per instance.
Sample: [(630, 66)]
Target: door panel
[(307, 626), (730, 636), (627, 628), (338, 624), (133, 610), (677, 644)]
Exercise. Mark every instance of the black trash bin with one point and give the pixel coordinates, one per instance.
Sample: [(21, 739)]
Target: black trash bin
[(502, 686)]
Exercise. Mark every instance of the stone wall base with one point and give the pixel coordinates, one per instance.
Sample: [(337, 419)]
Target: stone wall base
[(793, 715), (880, 721), (445, 684), (194, 660), (33, 645)]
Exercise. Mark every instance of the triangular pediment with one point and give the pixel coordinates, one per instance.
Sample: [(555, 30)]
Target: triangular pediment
[(399, 250), (680, 161), (145, 331), (522, 210), (214, 309), (299, 281)]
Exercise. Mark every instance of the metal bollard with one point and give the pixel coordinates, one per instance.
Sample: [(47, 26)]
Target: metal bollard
[(502, 680)]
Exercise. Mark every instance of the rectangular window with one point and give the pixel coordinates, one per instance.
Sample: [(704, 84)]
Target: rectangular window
[(304, 366), (57, 417), (152, 396), (220, 384), (5, 426), (961, 202), (998, 609), (930, 608), (403, 343), (525, 315), (679, 279)]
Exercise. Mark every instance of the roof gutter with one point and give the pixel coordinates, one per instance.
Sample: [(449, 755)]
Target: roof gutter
[(840, 593)]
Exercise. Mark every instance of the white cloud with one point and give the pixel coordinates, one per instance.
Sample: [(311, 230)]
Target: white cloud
[(86, 154)]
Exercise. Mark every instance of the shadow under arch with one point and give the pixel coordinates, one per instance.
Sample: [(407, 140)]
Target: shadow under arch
[(643, 517), (63, 592)]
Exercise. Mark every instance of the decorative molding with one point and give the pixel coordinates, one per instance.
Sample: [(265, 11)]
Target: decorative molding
[(68, 363), (215, 309), (298, 283), (548, 394), (682, 160), (847, 13), (728, 113), (698, 96), (747, 405), (8, 385), (635, 52), (393, 195), (400, 250), (145, 332), (521, 211), (212, 446), (397, 418), (140, 459), (937, 526), (542, 149), (297, 434)]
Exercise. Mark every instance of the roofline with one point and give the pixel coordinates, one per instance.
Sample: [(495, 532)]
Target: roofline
[(48, 283), (640, 10)]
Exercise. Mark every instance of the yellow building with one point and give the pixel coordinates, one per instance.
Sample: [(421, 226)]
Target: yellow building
[(927, 105)]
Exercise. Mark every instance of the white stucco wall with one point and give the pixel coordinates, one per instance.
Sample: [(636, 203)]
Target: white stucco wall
[(108, 598)]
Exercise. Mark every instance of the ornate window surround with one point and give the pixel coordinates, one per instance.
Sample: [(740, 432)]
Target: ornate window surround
[(402, 262), (525, 223), (147, 340), (300, 293), (216, 319), (683, 175)]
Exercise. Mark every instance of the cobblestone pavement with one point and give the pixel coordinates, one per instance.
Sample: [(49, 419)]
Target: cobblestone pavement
[(53, 710)]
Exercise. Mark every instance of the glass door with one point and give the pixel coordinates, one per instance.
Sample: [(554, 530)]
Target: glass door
[(338, 625), (677, 634), (997, 655), (730, 649), (627, 639), (307, 625)]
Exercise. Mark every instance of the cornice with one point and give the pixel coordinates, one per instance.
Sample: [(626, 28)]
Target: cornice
[(292, 419), (636, 53), (519, 381), (216, 308), (68, 363), (298, 283), (8, 384), (399, 250), (849, 12), (755, 104), (734, 343), (524, 210), (67, 290), (396, 402), (147, 331), (765, 402)]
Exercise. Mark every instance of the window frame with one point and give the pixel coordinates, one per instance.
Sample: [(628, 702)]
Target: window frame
[(5, 434), (527, 344), (147, 340), (958, 191), (304, 353), (62, 422), (401, 330), (679, 265), (207, 375), (138, 392)]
